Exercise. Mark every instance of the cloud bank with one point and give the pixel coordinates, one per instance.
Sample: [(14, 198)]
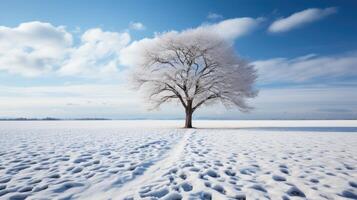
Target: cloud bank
[(97, 55), (299, 19), (306, 68), (38, 48), (33, 48), (91, 100)]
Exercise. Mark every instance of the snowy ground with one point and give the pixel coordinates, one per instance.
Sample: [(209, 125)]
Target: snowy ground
[(153, 160)]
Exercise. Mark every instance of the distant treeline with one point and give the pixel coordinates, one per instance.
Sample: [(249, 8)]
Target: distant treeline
[(47, 119)]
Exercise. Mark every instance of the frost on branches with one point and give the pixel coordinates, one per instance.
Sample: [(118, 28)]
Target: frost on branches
[(195, 69)]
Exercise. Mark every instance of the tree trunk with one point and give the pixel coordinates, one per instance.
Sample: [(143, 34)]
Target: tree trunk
[(188, 123), (189, 111)]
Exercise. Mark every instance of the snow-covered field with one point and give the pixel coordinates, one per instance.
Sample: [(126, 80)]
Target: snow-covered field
[(155, 159)]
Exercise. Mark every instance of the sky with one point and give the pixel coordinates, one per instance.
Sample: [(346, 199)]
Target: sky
[(65, 58)]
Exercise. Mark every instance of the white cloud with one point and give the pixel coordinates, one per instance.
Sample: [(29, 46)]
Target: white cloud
[(137, 26), (33, 48), (301, 18), (214, 16), (97, 54), (229, 29), (306, 68)]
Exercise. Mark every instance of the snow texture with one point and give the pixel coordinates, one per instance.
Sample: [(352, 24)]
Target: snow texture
[(103, 160)]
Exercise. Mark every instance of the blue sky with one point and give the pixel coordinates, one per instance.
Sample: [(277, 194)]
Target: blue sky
[(51, 63)]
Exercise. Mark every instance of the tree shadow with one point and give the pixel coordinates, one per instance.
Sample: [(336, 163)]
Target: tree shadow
[(286, 129)]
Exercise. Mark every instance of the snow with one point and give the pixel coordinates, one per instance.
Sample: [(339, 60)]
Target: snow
[(158, 160)]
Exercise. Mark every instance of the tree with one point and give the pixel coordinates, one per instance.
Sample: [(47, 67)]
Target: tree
[(194, 69)]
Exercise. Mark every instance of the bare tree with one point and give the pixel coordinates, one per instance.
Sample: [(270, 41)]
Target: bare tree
[(194, 70)]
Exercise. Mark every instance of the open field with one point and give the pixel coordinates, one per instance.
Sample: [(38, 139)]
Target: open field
[(157, 159)]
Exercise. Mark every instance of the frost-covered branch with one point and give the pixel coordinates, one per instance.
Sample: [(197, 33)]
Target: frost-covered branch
[(194, 69)]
